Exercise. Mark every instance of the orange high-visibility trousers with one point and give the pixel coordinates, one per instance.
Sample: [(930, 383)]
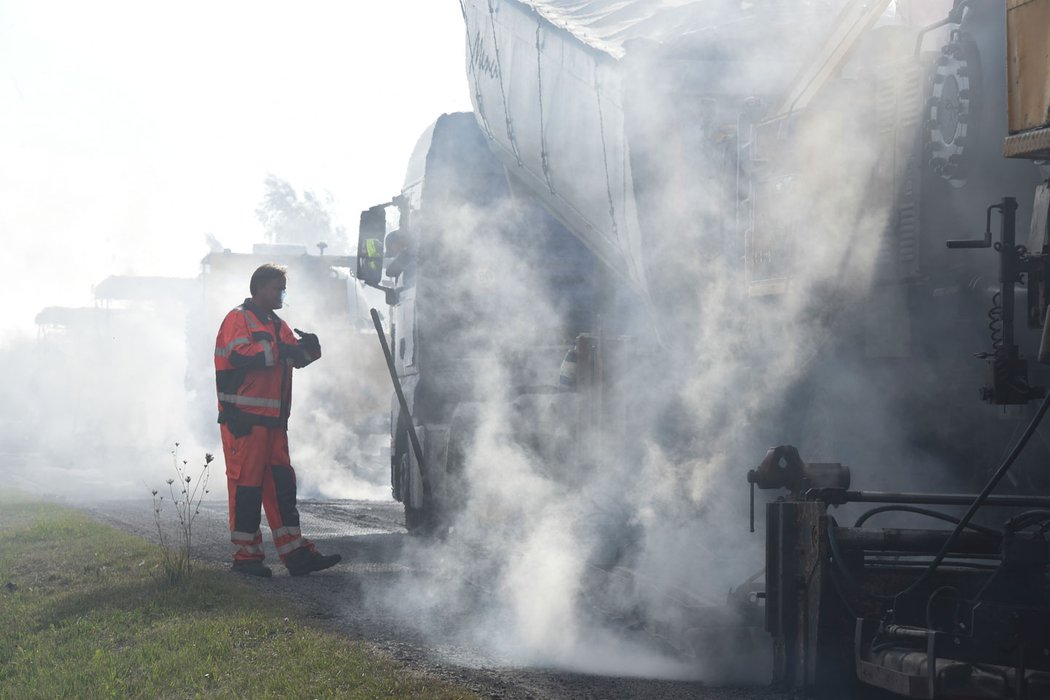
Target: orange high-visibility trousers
[(259, 476)]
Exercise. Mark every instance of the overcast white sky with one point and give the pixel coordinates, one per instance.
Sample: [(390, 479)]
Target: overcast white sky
[(128, 130)]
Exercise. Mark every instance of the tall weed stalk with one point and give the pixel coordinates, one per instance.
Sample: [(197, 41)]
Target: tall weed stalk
[(176, 547)]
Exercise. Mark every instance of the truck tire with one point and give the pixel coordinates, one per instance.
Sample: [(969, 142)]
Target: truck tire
[(419, 521)]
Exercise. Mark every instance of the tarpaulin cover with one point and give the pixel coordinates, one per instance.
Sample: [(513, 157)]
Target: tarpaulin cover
[(608, 24), (549, 80)]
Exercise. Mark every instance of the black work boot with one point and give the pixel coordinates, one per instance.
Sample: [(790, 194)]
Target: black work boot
[(252, 567), (303, 560)]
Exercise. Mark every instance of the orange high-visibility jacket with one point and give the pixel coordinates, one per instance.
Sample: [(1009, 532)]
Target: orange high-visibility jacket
[(253, 374)]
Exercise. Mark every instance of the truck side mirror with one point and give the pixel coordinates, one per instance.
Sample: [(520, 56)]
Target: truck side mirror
[(370, 245)]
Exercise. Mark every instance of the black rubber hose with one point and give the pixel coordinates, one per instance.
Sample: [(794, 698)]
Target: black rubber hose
[(927, 512), (962, 523), (989, 487), (1029, 517)]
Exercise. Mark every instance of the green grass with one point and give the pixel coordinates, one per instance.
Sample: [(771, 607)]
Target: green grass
[(84, 613)]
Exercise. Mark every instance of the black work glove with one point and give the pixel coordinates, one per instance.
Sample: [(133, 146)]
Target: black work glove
[(309, 341), (292, 353)]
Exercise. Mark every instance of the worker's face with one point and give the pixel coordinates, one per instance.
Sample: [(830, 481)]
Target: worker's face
[(270, 295)]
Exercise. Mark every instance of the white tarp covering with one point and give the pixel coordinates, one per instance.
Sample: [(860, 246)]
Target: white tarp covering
[(553, 109), (549, 80), (608, 24)]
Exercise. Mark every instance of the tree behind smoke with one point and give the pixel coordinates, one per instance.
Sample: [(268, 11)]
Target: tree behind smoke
[(289, 219)]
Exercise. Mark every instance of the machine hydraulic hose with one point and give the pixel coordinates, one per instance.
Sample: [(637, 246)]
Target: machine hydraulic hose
[(985, 492)]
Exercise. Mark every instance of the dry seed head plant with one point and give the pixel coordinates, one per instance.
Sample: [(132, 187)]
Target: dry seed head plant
[(176, 547)]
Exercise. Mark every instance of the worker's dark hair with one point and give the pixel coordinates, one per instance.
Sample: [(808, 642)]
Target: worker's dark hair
[(264, 274)]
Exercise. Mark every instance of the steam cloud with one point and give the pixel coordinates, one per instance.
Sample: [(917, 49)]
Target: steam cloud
[(96, 401), (118, 149), (551, 564)]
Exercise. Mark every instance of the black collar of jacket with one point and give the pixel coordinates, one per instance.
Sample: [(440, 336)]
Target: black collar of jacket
[(262, 314)]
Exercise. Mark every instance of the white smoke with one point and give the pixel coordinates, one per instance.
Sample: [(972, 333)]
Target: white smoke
[(621, 562), (119, 148)]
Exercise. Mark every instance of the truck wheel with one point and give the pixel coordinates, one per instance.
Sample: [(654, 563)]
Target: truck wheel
[(413, 518), (419, 521)]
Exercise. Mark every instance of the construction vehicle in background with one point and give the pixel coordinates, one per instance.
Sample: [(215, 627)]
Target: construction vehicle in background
[(176, 319), (682, 183)]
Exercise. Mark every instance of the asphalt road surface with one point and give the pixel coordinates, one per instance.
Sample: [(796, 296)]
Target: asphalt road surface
[(379, 594)]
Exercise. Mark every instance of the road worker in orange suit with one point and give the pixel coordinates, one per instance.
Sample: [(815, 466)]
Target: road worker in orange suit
[(255, 353)]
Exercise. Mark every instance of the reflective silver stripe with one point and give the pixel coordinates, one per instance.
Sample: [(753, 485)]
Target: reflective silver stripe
[(253, 325), (224, 352), (250, 401), (251, 322), (282, 531), (248, 549), (248, 537), (291, 546)]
